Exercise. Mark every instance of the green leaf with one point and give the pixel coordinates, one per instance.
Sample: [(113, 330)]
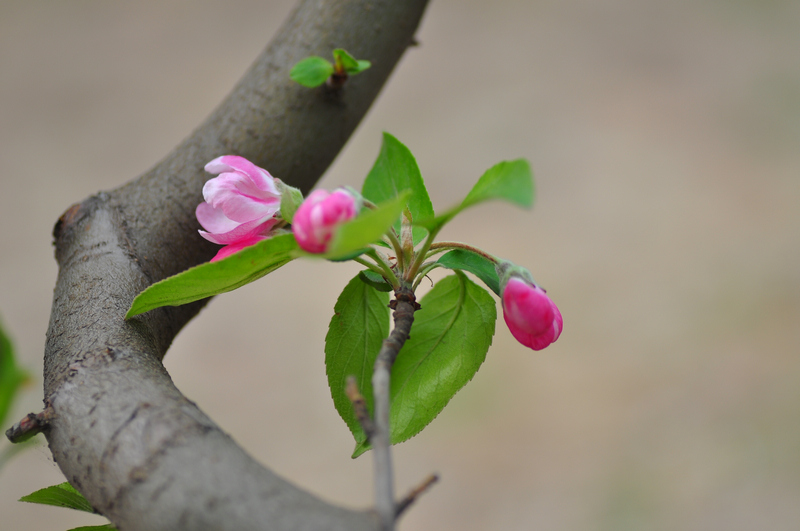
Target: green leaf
[(12, 377), (106, 527), (359, 325), (361, 65), (374, 280), (394, 171), (63, 495), (367, 228), (291, 198), (213, 278), (348, 63), (449, 340), (343, 60), (312, 71), (481, 267), (511, 181)]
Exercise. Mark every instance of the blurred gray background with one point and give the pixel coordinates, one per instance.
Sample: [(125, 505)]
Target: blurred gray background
[(665, 138)]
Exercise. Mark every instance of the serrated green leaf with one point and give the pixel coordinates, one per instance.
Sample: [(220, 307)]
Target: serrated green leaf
[(213, 278), (12, 377), (312, 71), (359, 325), (511, 181), (62, 495), (374, 280), (394, 171), (367, 228), (106, 527), (449, 339), (481, 267)]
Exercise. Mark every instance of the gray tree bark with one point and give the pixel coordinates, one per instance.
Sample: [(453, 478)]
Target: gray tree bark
[(142, 454)]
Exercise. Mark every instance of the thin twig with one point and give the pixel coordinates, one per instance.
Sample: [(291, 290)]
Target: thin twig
[(30, 425), (359, 407), (412, 496), (404, 306)]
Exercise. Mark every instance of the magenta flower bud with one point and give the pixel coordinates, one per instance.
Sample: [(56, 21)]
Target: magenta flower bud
[(319, 215), (532, 318), (240, 204)]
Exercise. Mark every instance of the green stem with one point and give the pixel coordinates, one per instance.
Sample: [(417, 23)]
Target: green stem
[(369, 265), (398, 248), (420, 256), (385, 269), (424, 270), (439, 247)]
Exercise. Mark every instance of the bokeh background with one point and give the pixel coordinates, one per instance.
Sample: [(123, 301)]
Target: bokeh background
[(665, 137)]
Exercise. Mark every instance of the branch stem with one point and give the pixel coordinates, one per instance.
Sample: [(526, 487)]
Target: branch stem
[(420, 256), (369, 265), (391, 235), (412, 496), (386, 269), (404, 306)]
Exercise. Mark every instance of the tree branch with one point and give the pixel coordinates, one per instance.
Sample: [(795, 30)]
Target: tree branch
[(404, 306), (123, 435)]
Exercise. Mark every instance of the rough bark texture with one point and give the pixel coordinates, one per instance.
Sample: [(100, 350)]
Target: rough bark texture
[(123, 435)]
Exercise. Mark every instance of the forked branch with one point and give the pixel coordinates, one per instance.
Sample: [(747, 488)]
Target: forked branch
[(123, 435)]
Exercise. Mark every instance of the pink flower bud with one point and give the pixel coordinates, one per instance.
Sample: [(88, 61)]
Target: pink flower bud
[(240, 204), (318, 217), (532, 318)]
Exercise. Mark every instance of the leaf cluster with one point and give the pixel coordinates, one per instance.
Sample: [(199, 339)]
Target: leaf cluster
[(453, 329), (314, 71), (395, 239)]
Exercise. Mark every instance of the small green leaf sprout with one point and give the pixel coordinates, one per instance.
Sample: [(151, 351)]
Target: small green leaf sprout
[(314, 71)]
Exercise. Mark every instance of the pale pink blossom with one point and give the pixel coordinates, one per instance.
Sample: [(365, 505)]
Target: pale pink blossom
[(319, 215), (533, 319), (240, 205)]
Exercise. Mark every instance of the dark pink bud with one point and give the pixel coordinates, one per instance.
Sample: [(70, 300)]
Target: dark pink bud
[(319, 215), (532, 318)]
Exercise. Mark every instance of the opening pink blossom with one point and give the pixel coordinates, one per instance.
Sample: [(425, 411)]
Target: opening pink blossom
[(240, 204)]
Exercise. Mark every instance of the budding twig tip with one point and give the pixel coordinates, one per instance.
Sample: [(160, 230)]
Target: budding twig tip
[(30, 425)]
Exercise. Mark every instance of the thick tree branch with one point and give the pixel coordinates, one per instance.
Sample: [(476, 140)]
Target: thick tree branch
[(141, 453)]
